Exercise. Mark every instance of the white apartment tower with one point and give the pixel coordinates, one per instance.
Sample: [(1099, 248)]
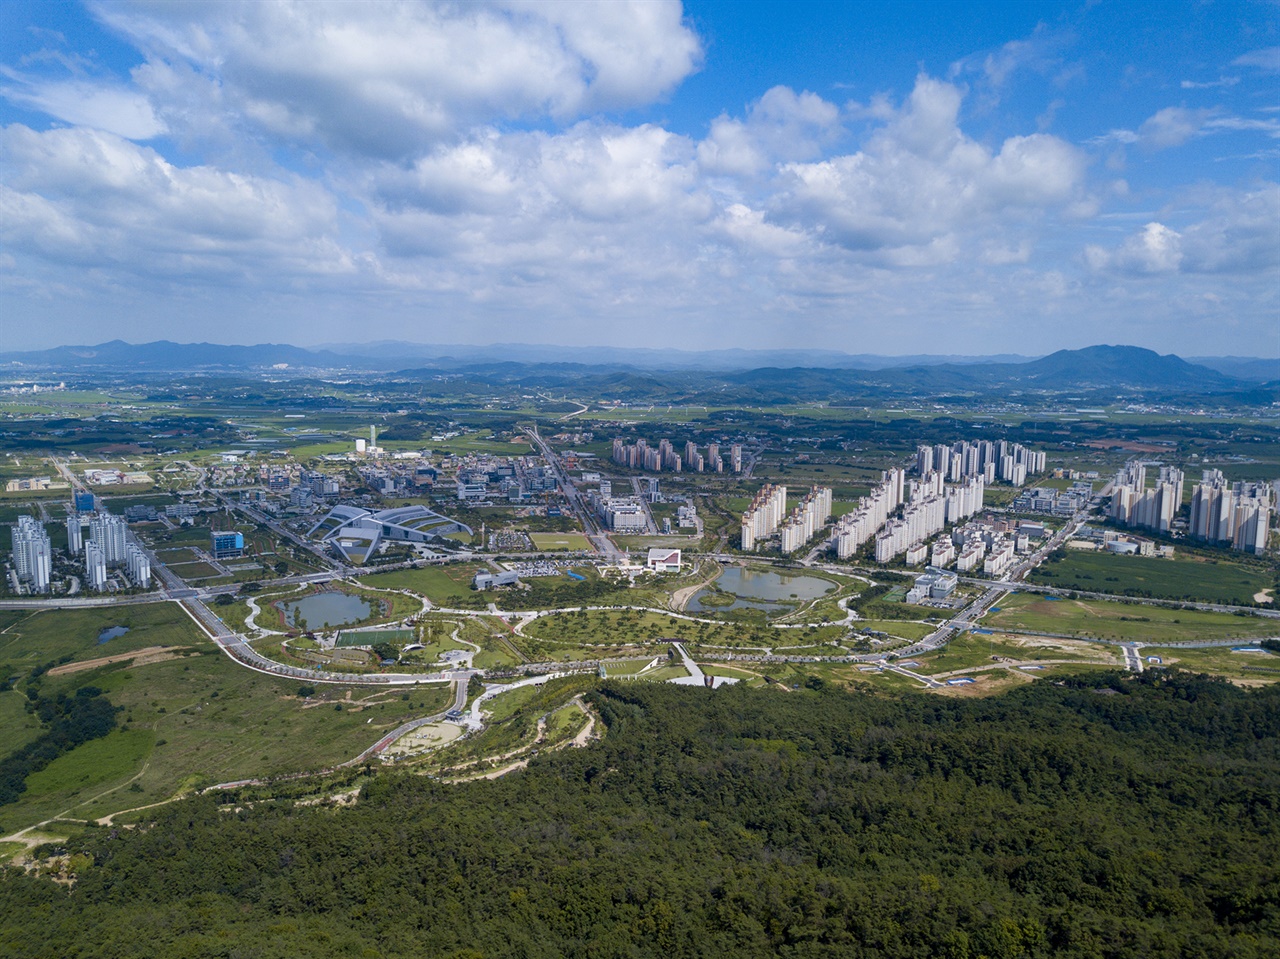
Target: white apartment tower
[(1239, 515), (108, 531), (95, 566), (139, 566), (764, 515), (32, 554)]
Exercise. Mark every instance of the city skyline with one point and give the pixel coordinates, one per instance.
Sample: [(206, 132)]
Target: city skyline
[(867, 178)]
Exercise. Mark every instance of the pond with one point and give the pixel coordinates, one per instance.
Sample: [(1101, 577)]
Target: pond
[(111, 632), (329, 609), (760, 589)]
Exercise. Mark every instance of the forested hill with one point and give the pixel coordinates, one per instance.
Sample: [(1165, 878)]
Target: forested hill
[(1106, 818)]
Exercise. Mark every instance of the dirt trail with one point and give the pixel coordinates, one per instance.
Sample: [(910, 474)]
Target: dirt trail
[(680, 598), (152, 654)]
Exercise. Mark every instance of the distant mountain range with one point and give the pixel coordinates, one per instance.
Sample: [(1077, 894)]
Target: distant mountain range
[(810, 373)]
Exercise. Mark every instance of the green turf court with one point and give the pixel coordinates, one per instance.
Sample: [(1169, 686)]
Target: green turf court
[(560, 542)]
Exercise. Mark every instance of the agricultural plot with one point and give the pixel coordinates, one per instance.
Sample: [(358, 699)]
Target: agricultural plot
[(1183, 578), (1121, 622)]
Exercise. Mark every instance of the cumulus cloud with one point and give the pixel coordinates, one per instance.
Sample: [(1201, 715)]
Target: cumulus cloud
[(921, 183), (1156, 249), (1234, 234), (393, 79), (88, 196), (781, 125)]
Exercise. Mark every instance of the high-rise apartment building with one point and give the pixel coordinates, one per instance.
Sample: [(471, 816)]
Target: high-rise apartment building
[(32, 554), (1238, 515)]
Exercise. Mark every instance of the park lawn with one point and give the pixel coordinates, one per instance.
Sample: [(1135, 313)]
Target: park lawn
[(1184, 578), (1120, 622), (629, 667), (443, 585), (610, 628), (504, 705), (195, 535), (204, 719), (730, 672), (902, 628), (565, 723), (557, 542), (177, 555)]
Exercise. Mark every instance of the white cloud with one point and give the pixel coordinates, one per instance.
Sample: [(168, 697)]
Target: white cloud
[(1156, 249), (82, 195), (97, 104), (1235, 233), (781, 125), (392, 79), (1210, 84), (1266, 60), (920, 183), (1174, 126)]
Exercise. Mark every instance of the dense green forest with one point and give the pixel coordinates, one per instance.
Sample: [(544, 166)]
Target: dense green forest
[(1106, 816)]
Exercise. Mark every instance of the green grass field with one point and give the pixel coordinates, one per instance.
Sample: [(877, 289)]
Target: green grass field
[(191, 720), (1102, 619), (555, 542), (47, 636), (19, 727), (972, 651), (1220, 660), (1184, 578), (443, 585)]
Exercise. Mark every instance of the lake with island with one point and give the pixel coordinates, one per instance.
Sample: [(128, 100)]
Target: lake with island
[(759, 589)]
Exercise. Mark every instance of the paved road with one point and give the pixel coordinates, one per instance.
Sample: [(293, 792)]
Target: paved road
[(597, 536), (459, 701)]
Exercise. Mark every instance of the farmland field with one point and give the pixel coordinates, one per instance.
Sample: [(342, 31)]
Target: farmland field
[(1207, 580), (1121, 622)]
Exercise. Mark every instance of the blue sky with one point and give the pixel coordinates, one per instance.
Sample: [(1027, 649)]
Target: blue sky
[(868, 177)]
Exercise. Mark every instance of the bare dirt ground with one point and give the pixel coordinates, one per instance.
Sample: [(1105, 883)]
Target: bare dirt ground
[(986, 684), (140, 657), (424, 737)]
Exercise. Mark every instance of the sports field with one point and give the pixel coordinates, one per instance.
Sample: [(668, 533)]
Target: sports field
[(560, 542)]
